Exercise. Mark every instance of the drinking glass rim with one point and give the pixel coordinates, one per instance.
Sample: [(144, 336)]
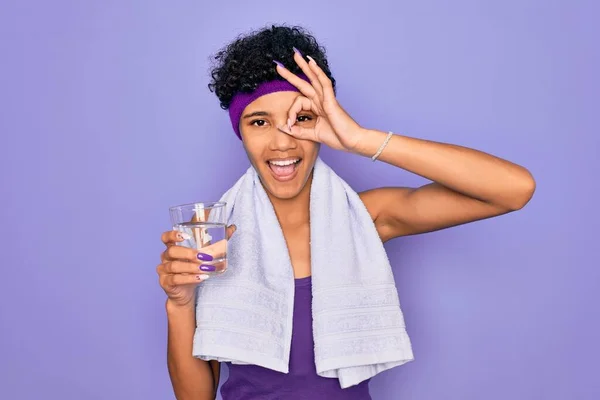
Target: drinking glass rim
[(210, 204)]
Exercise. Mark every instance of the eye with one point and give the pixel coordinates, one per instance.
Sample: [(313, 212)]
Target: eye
[(258, 122), (304, 118)]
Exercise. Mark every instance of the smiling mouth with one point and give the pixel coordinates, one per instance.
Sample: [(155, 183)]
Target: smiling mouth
[(284, 169)]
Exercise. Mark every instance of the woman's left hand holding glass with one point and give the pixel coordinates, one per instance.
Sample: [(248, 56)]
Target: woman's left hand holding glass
[(334, 127)]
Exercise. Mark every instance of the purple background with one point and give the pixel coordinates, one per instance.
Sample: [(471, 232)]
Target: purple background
[(106, 121)]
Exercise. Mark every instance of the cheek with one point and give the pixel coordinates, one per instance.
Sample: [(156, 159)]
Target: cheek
[(311, 150), (250, 151), (254, 151), (254, 137)]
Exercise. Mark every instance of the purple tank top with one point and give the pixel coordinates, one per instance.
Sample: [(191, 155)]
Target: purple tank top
[(251, 382)]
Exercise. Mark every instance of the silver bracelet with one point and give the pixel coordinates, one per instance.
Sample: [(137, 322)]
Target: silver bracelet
[(385, 142)]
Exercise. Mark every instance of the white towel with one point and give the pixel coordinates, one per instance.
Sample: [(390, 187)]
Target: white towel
[(244, 316)]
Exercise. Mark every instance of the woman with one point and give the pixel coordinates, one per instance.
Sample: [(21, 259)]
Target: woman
[(282, 132)]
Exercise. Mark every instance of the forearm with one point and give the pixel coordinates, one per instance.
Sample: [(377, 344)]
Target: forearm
[(467, 171), (191, 377)]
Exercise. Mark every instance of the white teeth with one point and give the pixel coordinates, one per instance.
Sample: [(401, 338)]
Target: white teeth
[(285, 162)]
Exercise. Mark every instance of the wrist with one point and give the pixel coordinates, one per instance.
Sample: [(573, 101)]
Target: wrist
[(369, 142), (174, 308)]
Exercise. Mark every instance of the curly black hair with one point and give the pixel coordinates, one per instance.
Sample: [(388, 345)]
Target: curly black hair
[(247, 62)]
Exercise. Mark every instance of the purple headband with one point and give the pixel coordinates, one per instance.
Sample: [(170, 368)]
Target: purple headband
[(241, 99)]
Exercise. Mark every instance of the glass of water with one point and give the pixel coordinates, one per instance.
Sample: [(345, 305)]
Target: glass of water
[(203, 225)]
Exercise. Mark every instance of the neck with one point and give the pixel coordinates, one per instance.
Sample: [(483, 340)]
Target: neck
[(295, 211)]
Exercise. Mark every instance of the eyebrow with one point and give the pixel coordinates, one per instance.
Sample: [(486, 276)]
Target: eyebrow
[(256, 114)]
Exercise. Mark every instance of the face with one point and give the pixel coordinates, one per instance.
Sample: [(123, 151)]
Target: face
[(283, 162)]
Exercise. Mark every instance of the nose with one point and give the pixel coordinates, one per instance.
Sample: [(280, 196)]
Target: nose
[(281, 141)]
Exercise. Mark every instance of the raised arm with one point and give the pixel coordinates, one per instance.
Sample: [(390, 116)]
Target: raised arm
[(468, 185)]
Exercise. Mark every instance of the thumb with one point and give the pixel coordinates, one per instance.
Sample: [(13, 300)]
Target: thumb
[(230, 230), (301, 133)]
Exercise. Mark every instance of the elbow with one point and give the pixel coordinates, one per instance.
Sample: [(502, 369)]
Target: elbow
[(523, 192)]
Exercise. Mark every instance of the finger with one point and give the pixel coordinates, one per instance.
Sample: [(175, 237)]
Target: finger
[(301, 103), (302, 133), (215, 250), (167, 281), (184, 267), (230, 231), (207, 253), (181, 253), (172, 237), (160, 270), (328, 93), (304, 87), (314, 80)]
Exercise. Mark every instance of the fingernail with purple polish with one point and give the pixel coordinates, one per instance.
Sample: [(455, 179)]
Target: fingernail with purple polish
[(204, 257), (279, 63), (297, 51), (208, 268)]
